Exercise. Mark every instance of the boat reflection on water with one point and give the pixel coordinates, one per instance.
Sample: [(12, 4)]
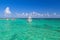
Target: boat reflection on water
[(29, 19)]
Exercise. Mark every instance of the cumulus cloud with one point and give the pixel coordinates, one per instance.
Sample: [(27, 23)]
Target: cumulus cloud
[(7, 10), (54, 14), (32, 14)]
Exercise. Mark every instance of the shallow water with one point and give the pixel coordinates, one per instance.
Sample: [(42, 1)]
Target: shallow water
[(38, 29)]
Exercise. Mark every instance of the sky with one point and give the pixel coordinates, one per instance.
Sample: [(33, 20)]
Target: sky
[(15, 7)]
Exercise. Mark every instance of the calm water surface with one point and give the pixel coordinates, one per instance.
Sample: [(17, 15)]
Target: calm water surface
[(38, 29)]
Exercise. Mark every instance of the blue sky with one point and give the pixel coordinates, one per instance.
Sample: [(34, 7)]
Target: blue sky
[(20, 6)]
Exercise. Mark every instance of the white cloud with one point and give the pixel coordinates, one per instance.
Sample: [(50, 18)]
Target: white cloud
[(7, 10), (54, 14)]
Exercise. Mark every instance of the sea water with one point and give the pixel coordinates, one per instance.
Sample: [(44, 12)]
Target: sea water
[(37, 29)]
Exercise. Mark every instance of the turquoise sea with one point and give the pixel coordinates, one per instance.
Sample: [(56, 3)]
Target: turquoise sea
[(37, 29)]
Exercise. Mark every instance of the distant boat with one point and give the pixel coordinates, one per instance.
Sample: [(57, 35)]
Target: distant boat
[(7, 19), (29, 19)]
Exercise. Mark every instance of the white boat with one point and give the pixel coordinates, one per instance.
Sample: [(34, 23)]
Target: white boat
[(29, 19), (7, 19)]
